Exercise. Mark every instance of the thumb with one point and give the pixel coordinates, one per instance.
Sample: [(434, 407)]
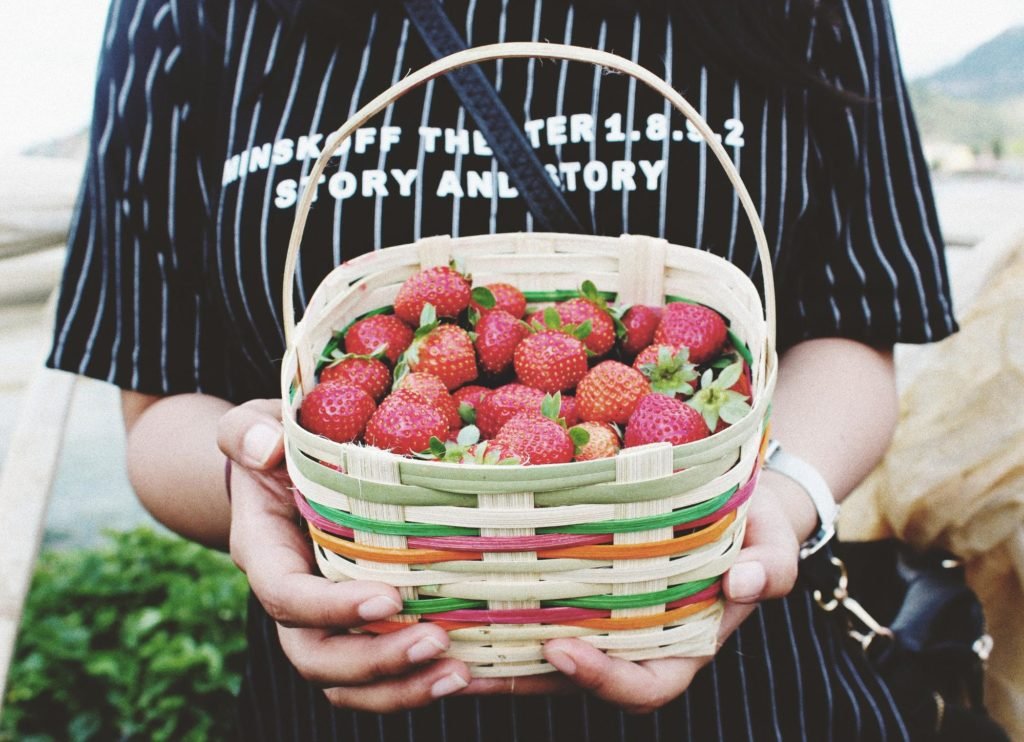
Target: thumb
[(251, 434), (767, 565)]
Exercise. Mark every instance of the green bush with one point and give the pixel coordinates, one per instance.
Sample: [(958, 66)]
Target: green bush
[(142, 638)]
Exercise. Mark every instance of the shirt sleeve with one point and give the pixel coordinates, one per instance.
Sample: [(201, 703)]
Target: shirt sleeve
[(871, 264), (132, 309)]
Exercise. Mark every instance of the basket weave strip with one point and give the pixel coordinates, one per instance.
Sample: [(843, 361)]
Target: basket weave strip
[(575, 576)]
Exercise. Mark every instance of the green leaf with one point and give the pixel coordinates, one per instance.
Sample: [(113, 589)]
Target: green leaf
[(707, 379), (551, 407), (468, 435), (730, 375), (484, 297), (437, 446), (734, 411), (583, 329), (428, 315), (589, 291), (467, 412), (552, 320), (580, 437), (473, 315)]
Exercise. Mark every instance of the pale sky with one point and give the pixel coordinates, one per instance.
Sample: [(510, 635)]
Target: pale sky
[(48, 52)]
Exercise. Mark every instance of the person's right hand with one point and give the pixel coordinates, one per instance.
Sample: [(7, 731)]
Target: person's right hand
[(372, 673)]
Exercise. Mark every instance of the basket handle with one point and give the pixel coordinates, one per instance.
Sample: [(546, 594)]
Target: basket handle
[(517, 50)]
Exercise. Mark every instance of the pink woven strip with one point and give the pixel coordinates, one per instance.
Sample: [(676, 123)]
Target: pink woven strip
[(708, 592)]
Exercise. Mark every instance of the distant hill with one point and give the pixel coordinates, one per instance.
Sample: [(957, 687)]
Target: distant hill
[(993, 72), (979, 101)]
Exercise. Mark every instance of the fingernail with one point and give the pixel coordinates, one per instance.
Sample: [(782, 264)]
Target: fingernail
[(378, 607), (424, 649), (260, 442), (746, 580), (448, 685), (562, 662)]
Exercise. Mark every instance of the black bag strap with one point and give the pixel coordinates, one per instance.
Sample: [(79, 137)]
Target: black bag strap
[(511, 149)]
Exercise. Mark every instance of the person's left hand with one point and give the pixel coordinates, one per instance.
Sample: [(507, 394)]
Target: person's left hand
[(765, 568)]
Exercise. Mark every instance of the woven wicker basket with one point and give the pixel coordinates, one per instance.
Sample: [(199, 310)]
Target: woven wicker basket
[(626, 553)]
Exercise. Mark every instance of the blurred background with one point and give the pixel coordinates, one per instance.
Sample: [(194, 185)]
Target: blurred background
[(962, 58)]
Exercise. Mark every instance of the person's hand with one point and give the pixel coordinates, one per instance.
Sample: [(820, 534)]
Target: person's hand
[(374, 673), (765, 568)]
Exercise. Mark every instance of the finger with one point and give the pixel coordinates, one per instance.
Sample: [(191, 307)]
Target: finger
[(269, 547), (435, 681), (251, 434), (767, 565), (530, 685), (635, 687), (330, 659)]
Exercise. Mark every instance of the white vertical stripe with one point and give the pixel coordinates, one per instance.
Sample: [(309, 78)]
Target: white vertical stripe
[(563, 74), (763, 196), (230, 33), (766, 644), (630, 112), (147, 136), (784, 167), (499, 79), (460, 125), (736, 155), (713, 668), (666, 111), (856, 675), (172, 187), (165, 321), (797, 679), (133, 26), (744, 693), (702, 178), (172, 59), (126, 86), (159, 16), (421, 155), (595, 97), (269, 290), (812, 631), (378, 208), (112, 23), (73, 311), (364, 65), (531, 65), (175, 16)]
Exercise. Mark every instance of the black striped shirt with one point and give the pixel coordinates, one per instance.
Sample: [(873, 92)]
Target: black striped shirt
[(208, 114)]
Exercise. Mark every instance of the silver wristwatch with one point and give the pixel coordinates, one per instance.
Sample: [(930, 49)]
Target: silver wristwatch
[(814, 485)]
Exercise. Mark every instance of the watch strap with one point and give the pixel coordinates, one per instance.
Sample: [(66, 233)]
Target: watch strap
[(810, 480)]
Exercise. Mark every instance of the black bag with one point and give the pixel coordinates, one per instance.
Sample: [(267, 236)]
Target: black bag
[(920, 626)]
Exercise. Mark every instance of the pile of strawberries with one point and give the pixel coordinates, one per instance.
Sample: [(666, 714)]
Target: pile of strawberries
[(464, 374)]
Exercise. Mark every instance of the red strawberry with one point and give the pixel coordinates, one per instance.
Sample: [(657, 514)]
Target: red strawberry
[(404, 423), (603, 443), (497, 335), (610, 392), (366, 372), (490, 452), (336, 410), (659, 418), (367, 335), (432, 389), (640, 321), (700, 329), (502, 404), (601, 337), (467, 398), (570, 410), (442, 286), (668, 368), (550, 361), (506, 297), (443, 350), (536, 439)]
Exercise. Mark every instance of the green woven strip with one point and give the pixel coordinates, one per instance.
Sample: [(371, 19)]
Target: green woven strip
[(649, 522), (341, 518), (596, 602), (439, 605), (388, 528), (613, 602), (537, 297)]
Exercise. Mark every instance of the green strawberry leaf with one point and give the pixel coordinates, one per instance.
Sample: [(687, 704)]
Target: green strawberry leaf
[(437, 447), (582, 330), (551, 407), (580, 437), (552, 320), (473, 315), (468, 436), (707, 379), (484, 297), (467, 412), (734, 410), (729, 376), (589, 291)]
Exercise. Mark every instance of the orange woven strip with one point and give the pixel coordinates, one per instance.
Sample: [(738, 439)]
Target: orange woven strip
[(392, 556), (642, 551), (642, 622)]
